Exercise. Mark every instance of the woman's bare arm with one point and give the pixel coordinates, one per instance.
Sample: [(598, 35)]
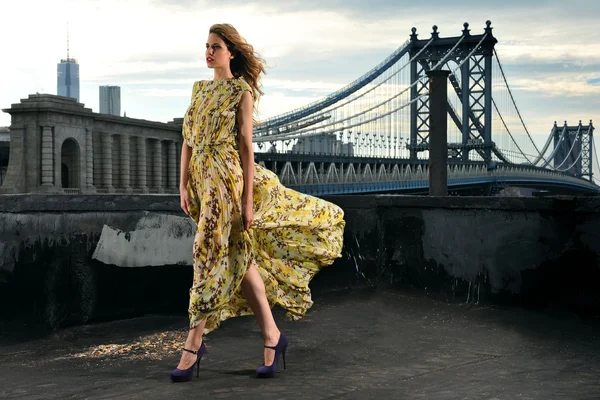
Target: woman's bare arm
[(244, 120), (186, 154)]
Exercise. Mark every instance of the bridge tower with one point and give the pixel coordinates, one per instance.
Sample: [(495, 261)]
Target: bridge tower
[(587, 148), (573, 149), (474, 88)]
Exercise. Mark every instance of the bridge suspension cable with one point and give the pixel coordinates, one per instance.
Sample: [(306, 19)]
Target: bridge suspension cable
[(540, 156), (508, 130), (363, 112), (521, 150), (441, 62), (311, 131), (595, 156), (556, 148), (509, 106), (334, 97), (557, 168), (515, 104), (298, 135), (329, 110), (570, 166)]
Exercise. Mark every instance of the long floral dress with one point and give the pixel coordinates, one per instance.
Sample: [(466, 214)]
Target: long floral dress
[(292, 236)]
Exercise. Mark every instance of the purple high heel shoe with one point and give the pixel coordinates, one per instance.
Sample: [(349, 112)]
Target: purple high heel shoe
[(184, 375), (269, 371)]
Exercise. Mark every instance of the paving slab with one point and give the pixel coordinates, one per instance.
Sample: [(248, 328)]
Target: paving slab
[(367, 344)]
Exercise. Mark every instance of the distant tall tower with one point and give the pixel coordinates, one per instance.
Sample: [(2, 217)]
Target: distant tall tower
[(68, 76), (110, 100)]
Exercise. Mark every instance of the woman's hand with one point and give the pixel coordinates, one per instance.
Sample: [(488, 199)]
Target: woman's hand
[(247, 215), (184, 200)]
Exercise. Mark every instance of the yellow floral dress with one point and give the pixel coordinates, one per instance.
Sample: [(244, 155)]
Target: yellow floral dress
[(292, 236)]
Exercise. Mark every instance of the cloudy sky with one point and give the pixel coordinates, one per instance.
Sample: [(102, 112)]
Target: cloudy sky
[(154, 49)]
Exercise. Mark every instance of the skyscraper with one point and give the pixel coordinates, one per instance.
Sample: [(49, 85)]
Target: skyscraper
[(68, 76), (110, 100)]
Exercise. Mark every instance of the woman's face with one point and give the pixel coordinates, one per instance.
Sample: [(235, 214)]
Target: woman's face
[(217, 54)]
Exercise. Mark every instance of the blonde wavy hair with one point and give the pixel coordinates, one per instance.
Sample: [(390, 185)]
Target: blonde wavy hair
[(246, 62)]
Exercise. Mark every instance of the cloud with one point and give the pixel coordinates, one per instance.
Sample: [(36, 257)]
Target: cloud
[(316, 87), (559, 86), (155, 49), (555, 80), (280, 102), (155, 92), (371, 9)]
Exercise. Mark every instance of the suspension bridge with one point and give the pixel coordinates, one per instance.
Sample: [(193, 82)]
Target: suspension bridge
[(373, 134)]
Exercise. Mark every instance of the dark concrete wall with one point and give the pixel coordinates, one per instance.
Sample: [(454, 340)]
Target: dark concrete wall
[(543, 252), (4, 149)]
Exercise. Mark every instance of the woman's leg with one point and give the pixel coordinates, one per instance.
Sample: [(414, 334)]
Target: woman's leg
[(253, 289), (193, 342)]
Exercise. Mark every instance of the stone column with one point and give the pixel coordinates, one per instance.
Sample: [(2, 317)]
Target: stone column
[(125, 163), (89, 151), (47, 158), (97, 150), (172, 172), (157, 167), (107, 163), (141, 165)]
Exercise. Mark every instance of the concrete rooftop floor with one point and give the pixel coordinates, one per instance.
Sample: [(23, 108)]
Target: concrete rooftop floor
[(354, 345)]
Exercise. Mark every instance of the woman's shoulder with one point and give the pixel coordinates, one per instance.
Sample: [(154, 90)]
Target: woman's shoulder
[(202, 86), (243, 84), (234, 86), (196, 87), (237, 82)]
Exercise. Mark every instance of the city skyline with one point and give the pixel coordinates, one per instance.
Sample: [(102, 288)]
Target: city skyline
[(551, 66)]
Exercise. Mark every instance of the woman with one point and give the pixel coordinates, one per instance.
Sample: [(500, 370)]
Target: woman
[(257, 243)]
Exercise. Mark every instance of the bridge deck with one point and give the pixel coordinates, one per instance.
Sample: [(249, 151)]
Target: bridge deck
[(354, 345)]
